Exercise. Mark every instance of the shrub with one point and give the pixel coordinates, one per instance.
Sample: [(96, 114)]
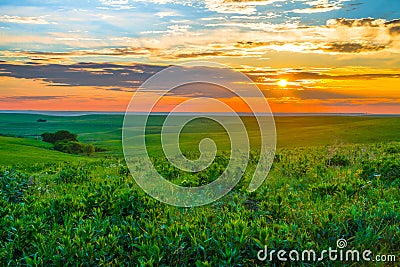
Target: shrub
[(88, 150), (59, 136), (73, 147)]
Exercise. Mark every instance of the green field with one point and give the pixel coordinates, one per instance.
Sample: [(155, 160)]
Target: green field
[(292, 131), (334, 177)]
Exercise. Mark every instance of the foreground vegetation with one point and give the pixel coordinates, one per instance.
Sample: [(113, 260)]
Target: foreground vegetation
[(90, 212)]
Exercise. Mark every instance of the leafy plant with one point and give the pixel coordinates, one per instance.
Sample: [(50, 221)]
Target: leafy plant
[(13, 185)]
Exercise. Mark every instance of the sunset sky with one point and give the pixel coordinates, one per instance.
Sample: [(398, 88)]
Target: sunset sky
[(305, 55)]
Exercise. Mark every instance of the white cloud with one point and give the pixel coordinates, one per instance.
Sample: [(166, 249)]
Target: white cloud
[(163, 14), (320, 6), (24, 20), (114, 2), (237, 7)]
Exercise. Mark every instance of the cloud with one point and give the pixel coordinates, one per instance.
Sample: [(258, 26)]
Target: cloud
[(352, 47), (84, 74), (243, 7), (178, 29), (394, 30), (394, 26), (163, 14), (393, 22), (119, 51), (363, 22), (24, 20), (29, 98), (115, 4), (225, 39), (300, 76), (201, 90), (307, 94), (320, 6), (173, 30), (119, 77)]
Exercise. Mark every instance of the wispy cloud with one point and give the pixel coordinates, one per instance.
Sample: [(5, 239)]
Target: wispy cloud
[(24, 20), (29, 98), (352, 47), (243, 7), (115, 4), (163, 14), (320, 6)]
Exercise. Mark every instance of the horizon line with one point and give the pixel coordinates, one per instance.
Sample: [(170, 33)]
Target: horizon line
[(90, 112)]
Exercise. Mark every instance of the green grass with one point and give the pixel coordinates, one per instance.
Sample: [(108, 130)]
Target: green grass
[(28, 151), (93, 213), (292, 131), (313, 131), (332, 178)]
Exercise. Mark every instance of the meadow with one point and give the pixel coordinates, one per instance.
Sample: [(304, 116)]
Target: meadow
[(292, 131), (334, 177)]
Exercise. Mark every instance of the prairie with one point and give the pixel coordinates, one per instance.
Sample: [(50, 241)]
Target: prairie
[(333, 178)]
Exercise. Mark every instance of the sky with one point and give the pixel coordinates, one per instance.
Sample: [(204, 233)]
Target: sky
[(340, 56)]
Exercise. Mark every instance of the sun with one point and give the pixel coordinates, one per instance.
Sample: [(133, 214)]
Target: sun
[(282, 83)]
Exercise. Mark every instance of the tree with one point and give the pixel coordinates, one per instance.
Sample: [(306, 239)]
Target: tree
[(65, 136), (67, 142), (59, 136), (48, 137)]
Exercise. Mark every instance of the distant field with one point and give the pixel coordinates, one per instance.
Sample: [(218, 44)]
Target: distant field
[(23, 150), (105, 131)]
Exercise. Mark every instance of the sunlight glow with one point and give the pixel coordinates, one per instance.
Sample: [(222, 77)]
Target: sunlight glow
[(283, 83)]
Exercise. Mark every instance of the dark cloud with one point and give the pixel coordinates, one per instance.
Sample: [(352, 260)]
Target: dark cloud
[(256, 44), (393, 26), (306, 94), (299, 75), (27, 98), (111, 51), (363, 22), (352, 47), (394, 30), (393, 22), (361, 102), (126, 78), (201, 54), (200, 89), (84, 74)]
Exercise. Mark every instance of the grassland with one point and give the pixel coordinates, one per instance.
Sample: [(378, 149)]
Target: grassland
[(28, 151), (292, 131), (332, 178)]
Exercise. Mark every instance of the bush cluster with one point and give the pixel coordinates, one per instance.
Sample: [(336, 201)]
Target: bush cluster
[(74, 147), (58, 136), (67, 142)]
